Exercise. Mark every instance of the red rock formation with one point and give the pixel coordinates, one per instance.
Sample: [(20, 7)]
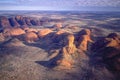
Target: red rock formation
[(66, 59), (44, 32), (109, 50), (20, 20), (30, 30), (30, 37), (60, 32), (84, 38), (13, 31), (112, 40), (13, 22), (4, 22), (59, 37)]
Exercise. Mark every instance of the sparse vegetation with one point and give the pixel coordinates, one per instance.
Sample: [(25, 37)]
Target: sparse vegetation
[(61, 46)]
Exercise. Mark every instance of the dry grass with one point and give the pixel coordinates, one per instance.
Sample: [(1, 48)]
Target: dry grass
[(23, 61)]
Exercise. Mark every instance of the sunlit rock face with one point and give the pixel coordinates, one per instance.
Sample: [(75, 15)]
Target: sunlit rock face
[(108, 49), (30, 37), (13, 31), (13, 22), (112, 40), (30, 30), (4, 22), (67, 51), (44, 32), (70, 48), (84, 39)]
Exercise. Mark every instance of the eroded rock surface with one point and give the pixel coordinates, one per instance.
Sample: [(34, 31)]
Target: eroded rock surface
[(84, 37), (108, 49)]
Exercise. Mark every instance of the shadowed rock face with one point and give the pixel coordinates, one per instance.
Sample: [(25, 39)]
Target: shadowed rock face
[(4, 22), (35, 22), (59, 38), (83, 39), (65, 59), (113, 40), (20, 20), (13, 22), (28, 21), (109, 50)]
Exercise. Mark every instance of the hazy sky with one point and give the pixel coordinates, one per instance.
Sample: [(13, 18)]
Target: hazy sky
[(86, 5)]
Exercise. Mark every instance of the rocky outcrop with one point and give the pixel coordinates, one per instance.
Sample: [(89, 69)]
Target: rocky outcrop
[(30, 37), (84, 37), (20, 20), (59, 38), (70, 48), (13, 31), (13, 22), (4, 22), (112, 40), (44, 32), (35, 22), (66, 59), (28, 21), (30, 30), (108, 49)]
